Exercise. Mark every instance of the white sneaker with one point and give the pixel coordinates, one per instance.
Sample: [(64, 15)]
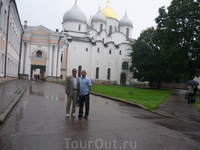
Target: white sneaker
[(73, 115), (67, 115)]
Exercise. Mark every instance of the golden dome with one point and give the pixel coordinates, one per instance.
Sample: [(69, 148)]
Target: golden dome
[(108, 12)]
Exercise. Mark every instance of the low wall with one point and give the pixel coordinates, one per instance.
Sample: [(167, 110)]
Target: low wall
[(53, 79), (174, 85), (112, 82), (23, 76), (5, 79)]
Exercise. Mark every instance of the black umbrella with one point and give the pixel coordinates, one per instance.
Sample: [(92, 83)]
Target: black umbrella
[(193, 82)]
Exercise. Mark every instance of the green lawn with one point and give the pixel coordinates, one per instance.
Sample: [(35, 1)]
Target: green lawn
[(197, 104), (149, 98)]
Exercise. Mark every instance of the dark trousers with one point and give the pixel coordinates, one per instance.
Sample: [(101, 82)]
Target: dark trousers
[(84, 99), (190, 97)]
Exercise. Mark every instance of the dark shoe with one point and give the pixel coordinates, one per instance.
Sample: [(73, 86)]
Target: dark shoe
[(85, 117), (80, 116)]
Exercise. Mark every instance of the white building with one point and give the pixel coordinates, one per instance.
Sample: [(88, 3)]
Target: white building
[(10, 40), (100, 46)]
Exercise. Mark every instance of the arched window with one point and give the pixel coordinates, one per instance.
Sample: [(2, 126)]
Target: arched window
[(101, 27), (108, 73), (79, 27), (127, 32), (97, 73), (125, 66), (38, 54), (98, 50), (79, 71), (110, 51), (110, 30), (120, 52)]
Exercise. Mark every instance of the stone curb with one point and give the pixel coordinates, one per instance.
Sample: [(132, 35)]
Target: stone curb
[(12, 104), (140, 106)]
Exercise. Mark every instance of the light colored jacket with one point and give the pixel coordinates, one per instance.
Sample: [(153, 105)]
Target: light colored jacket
[(69, 87), (190, 89)]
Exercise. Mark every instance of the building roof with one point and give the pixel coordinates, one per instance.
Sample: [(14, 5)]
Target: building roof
[(75, 14), (125, 21), (99, 17), (108, 12)]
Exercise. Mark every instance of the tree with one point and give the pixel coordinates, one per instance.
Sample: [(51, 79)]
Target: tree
[(146, 57), (178, 35)]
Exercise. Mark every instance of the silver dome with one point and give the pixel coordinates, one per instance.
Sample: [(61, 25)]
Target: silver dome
[(75, 14), (99, 17), (125, 21)]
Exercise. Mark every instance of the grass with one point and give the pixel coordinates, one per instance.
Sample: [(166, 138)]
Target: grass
[(63, 83), (197, 104), (149, 98)]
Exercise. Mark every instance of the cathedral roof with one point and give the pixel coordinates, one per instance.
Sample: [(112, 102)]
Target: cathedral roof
[(125, 21), (108, 12), (98, 17), (75, 14)]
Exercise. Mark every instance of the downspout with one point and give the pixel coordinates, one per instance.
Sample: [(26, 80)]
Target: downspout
[(6, 50), (20, 54)]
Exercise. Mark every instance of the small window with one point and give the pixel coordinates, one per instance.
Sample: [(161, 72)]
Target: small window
[(86, 49), (125, 66), (98, 50), (97, 73), (110, 29), (38, 54), (110, 51), (61, 59), (61, 76), (127, 32), (120, 52), (79, 71), (101, 27), (79, 27), (108, 73), (74, 47)]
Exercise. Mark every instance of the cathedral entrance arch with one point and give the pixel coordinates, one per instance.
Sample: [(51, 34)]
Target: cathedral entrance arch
[(39, 70), (123, 79)]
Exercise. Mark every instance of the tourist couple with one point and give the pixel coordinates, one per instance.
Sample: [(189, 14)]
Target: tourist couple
[(78, 90)]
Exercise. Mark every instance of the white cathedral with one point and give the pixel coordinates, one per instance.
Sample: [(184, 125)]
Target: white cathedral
[(100, 45)]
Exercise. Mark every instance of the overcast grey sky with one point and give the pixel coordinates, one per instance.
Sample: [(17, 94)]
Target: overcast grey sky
[(49, 13)]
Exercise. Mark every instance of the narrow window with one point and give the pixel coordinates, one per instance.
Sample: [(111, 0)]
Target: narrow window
[(98, 50), (110, 30), (5, 21), (3, 60), (127, 32), (86, 49), (110, 51), (79, 71), (101, 27), (120, 52), (61, 59), (1, 4), (79, 27), (38, 54), (97, 73), (108, 73)]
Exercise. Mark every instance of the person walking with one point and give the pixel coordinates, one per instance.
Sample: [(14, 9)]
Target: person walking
[(71, 89), (194, 93), (85, 87), (190, 93)]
